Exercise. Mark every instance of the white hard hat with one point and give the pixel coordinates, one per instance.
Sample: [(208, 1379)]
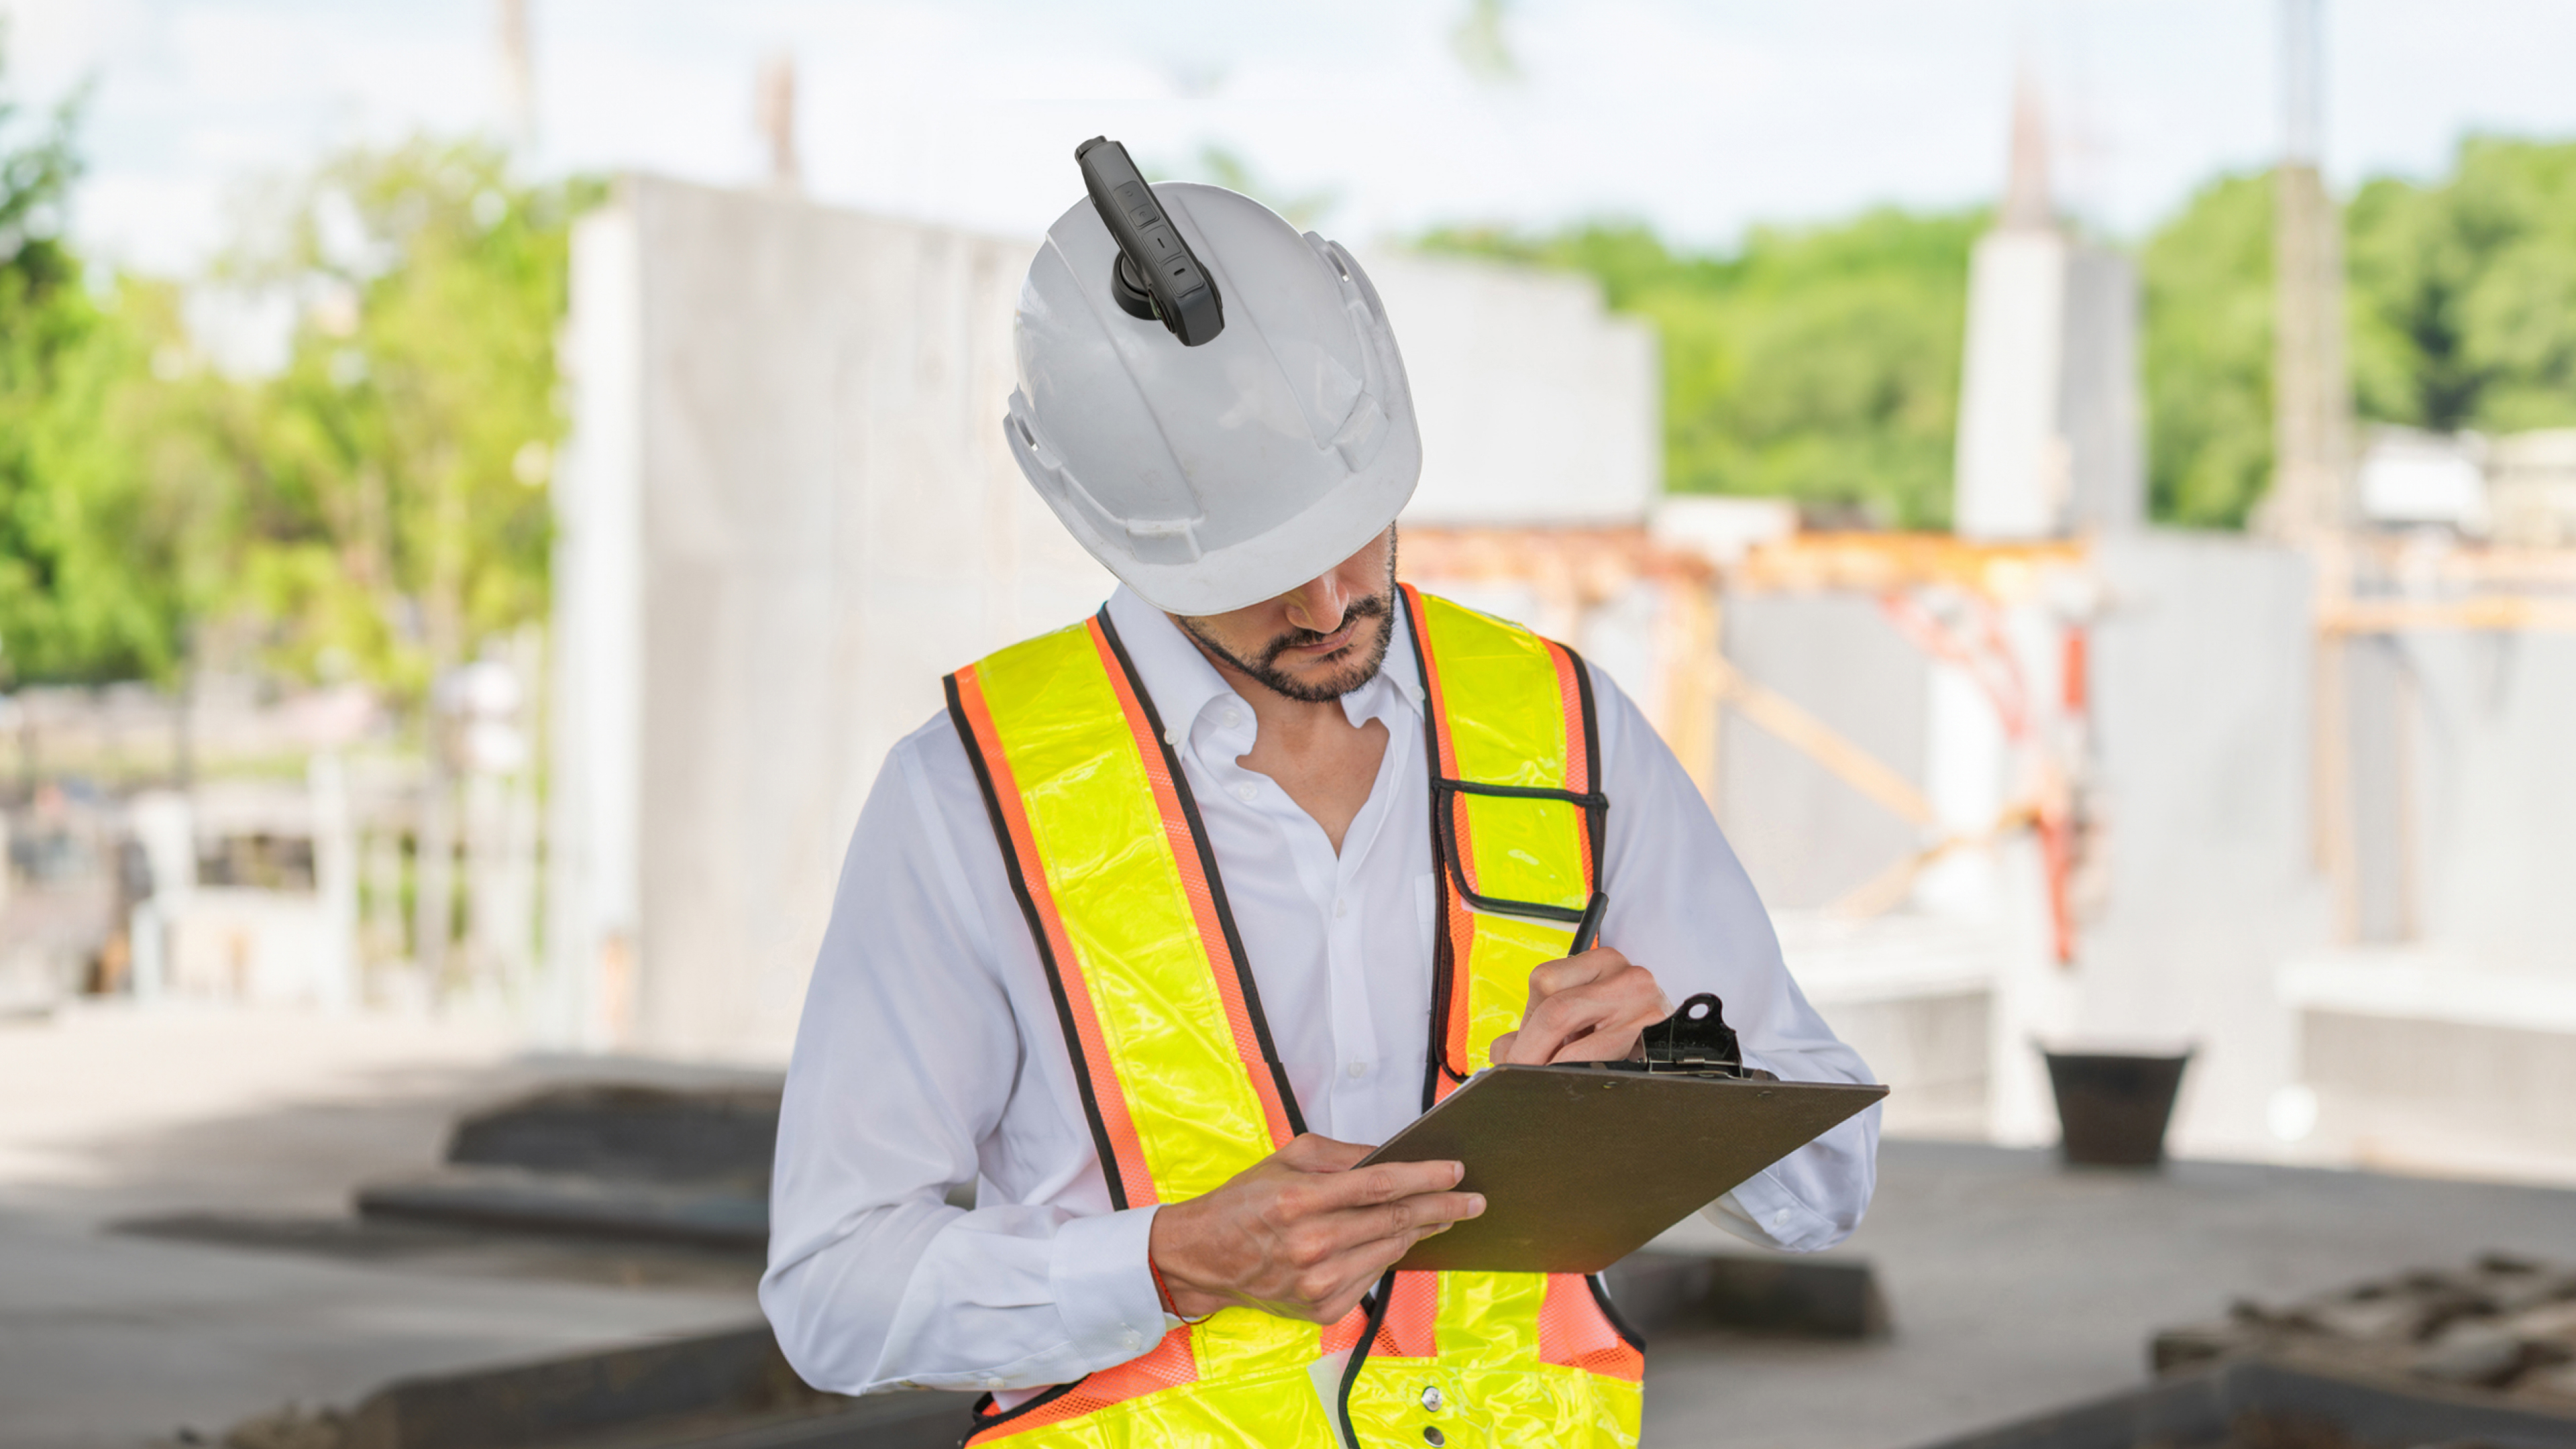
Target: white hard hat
[(1213, 476)]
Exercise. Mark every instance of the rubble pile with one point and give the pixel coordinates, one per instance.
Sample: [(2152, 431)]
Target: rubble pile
[(2504, 1326)]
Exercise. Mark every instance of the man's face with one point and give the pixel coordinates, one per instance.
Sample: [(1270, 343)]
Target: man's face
[(1316, 642)]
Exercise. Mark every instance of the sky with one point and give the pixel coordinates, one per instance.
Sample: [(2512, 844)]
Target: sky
[(1699, 118)]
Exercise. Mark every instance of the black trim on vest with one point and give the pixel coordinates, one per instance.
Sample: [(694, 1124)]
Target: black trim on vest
[(984, 1421), (1448, 864), (1215, 879), (1444, 966), (1619, 1323), (1596, 821), (1594, 800), (1444, 818), (1038, 938), (1359, 1355)]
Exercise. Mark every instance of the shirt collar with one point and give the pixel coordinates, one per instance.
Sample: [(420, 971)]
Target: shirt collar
[(1183, 682)]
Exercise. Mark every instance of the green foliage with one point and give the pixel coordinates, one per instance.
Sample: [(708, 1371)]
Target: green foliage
[(1818, 364), (94, 511), (2207, 277), (2460, 313), (391, 475), (2464, 291), (375, 508)]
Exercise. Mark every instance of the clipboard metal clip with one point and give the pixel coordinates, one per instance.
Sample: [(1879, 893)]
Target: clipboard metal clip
[(1694, 1041)]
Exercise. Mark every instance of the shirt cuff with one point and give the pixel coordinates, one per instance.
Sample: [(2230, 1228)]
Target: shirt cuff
[(1762, 1211), (1104, 1286)]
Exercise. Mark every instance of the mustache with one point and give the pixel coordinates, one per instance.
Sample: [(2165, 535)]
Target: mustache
[(1372, 607)]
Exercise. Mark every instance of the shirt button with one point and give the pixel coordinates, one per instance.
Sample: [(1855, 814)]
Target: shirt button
[(1357, 1069), (1341, 909), (1780, 1219), (1132, 1339), (1247, 792), (992, 1381), (1232, 716)]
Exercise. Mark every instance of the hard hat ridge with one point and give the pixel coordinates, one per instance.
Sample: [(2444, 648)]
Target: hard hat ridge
[(1209, 476)]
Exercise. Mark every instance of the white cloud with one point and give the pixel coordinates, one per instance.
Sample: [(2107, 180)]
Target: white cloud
[(1699, 118)]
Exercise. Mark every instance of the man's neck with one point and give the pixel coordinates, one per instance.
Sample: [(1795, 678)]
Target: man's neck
[(1310, 748)]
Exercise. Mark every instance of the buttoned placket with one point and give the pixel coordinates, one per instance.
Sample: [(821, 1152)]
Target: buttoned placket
[(1226, 731)]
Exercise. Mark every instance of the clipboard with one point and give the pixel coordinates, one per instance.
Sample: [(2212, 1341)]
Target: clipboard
[(1582, 1165)]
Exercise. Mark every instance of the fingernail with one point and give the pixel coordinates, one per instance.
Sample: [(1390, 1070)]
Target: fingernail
[(1475, 1204), (1457, 1173)]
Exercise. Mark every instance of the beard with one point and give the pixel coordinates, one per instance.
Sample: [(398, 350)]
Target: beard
[(1361, 658)]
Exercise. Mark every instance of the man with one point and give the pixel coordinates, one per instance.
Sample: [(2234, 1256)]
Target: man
[(1163, 922)]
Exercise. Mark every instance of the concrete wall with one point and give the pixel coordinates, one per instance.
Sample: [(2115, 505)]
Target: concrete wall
[(2051, 438), (2201, 702), (2103, 410), (2489, 721), (792, 513), (2444, 1036), (787, 510), (1536, 405), (1806, 837)]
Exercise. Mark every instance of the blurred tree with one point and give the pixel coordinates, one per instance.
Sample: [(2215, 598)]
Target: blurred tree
[(2462, 314), (2464, 291), (2208, 355), (100, 503), (392, 496), (1817, 364)]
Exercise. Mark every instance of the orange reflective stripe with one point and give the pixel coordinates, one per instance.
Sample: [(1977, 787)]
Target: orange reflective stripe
[(1572, 1329), (1407, 1332), (1545, 750), (1180, 1079), (1340, 1336), (1457, 923), (1168, 1364), (1224, 954), (1437, 703), (1122, 1158)]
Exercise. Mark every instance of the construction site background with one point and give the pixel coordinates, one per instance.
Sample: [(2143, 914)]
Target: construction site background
[(525, 749)]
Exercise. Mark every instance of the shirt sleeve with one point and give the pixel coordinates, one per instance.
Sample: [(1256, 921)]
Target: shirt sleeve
[(906, 1061), (1682, 907)]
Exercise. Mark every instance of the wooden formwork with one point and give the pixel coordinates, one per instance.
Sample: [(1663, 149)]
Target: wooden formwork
[(2365, 585), (2391, 584), (1940, 592)]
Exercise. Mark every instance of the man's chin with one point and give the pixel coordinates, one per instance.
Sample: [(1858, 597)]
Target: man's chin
[(1317, 680), (1347, 670)]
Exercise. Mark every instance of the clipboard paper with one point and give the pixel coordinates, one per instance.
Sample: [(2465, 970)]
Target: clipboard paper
[(1581, 1166)]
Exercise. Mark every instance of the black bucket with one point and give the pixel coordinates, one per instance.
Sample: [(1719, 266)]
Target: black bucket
[(2112, 1107)]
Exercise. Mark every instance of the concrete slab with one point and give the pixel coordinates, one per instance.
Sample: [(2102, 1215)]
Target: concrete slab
[(111, 1110), (2016, 1286), (108, 1114), (120, 1341)]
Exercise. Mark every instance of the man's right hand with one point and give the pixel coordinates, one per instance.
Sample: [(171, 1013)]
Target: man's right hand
[(1300, 1233)]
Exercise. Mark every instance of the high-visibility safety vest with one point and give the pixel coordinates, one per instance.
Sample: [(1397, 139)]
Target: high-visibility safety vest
[(1184, 1090)]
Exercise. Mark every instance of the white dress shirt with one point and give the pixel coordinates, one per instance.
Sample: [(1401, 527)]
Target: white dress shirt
[(929, 1055)]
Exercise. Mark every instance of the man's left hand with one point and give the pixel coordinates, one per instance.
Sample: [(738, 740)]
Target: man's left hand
[(1587, 1008)]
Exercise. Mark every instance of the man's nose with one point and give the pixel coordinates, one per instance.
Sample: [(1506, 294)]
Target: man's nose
[(1319, 606)]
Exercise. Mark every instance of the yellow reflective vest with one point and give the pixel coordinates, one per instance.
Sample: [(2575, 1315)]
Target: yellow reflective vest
[(1180, 1082)]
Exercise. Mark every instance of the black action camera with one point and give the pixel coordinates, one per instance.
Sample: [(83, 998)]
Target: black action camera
[(1156, 277)]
